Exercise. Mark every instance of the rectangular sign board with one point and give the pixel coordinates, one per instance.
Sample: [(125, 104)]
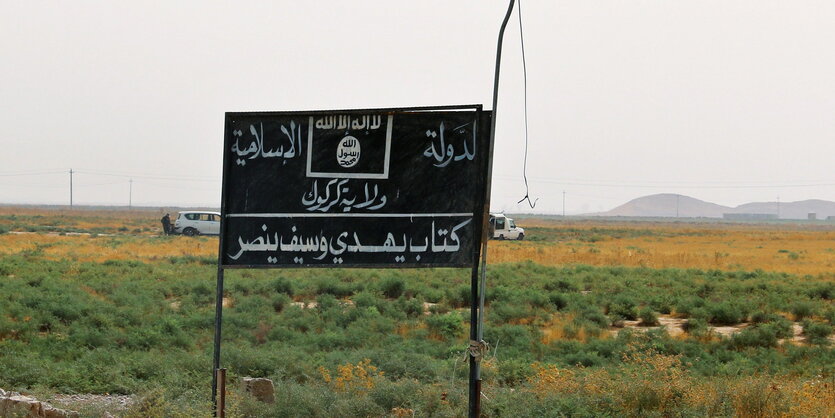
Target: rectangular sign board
[(355, 188)]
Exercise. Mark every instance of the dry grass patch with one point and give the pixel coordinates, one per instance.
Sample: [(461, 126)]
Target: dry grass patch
[(789, 249), (99, 249)]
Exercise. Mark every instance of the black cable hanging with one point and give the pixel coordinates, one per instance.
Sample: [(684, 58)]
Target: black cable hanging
[(525, 78)]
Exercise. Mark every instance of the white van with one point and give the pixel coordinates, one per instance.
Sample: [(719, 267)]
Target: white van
[(502, 227), (197, 223)]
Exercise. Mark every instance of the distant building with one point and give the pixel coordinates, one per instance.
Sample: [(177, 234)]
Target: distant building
[(749, 216), (813, 216), (830, 218)]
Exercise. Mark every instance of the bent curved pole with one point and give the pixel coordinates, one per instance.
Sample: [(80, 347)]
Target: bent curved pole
[(477, 311)]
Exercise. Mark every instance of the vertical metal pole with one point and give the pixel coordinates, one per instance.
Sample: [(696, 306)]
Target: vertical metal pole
[(474, 382), (474, 395), (219, 295), (218, 322), (475, 369)]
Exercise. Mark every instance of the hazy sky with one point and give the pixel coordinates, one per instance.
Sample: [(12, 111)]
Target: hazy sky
[(726, 101)]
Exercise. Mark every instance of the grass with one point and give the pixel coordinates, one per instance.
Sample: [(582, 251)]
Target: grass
[(133, 314), (26, 219), (795, 249)]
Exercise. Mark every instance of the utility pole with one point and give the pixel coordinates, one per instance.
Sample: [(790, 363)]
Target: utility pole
[(677, 199), (778, 207), (130, 193), (563, 203), (70, 187)]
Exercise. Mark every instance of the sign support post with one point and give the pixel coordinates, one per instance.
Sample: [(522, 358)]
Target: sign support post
[(478, 286), (218, 322), (219, 289), (474, 404)]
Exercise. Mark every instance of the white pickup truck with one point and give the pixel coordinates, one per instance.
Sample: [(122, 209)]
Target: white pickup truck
[(502, 227)]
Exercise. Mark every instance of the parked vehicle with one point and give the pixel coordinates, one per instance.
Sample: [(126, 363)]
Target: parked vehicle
[(193, 223), (502, 227)]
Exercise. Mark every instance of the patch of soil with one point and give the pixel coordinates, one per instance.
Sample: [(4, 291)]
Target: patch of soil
[(305, 305), (111, 403), (427, 307), (675, 326), (727, 331)]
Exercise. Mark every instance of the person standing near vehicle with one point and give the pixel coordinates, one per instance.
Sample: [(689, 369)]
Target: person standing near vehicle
[(166, 224)]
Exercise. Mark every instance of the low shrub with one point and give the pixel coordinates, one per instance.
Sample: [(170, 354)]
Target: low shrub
[(725, 313), (334, 286), (817, 332), (802, 309), (506, 313), (280, 301), (281, 285), (392, 287), (513, 371), (447, 326), (397, 394), (558, 300), (625, 310), (824, 291), (411, 307), (781, 325), (326, 301), (648, 317), (696, 327), (829, 315), (561, 285), (761, 336), (595, 317)]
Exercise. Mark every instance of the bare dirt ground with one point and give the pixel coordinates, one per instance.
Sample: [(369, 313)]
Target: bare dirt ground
[(96, 405)]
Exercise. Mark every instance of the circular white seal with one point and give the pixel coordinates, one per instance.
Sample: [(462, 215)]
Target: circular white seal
[(348, 152)]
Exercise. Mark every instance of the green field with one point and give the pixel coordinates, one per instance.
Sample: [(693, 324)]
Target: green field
[(572, 340)]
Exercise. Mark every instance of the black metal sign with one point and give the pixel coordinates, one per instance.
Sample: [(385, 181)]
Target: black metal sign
[(359, 188)]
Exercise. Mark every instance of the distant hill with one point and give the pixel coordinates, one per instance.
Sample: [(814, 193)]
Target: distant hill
[(668, 205), (791, 210)]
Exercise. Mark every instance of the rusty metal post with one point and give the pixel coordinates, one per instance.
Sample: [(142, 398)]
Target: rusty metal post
[(218, 322), (222, 389)]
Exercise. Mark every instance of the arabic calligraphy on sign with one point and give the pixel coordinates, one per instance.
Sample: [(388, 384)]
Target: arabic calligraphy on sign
[(341, 197), (258, 146), (443, 151), (348, 152), (435, 240), (344, 122)]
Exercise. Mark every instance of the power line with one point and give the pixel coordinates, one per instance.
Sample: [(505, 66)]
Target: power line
[(100, 184), (126, 175), (148, 176), (168, 186), (684, 185), (31, 173), (525, 95), (31, 185)]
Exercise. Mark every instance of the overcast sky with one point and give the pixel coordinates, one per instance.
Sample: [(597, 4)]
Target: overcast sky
[(726, 101)]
